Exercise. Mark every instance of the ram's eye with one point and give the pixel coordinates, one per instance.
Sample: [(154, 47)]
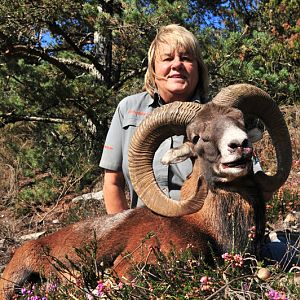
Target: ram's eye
[(195, 139)]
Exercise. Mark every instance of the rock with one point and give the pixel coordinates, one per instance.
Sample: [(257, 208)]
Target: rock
[(263, 274), (31, 236), (292, 221), (89, 196), (297, 278)]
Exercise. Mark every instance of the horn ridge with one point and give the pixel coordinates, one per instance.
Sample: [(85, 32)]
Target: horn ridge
[(168, 120)]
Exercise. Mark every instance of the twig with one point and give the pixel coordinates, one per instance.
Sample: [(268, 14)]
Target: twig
[(63, 192), (212, 296)]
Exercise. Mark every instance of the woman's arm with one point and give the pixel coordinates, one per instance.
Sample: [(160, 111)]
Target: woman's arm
[(114, 192)]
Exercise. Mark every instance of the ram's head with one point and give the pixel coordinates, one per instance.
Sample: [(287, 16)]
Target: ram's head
[(217, 136)]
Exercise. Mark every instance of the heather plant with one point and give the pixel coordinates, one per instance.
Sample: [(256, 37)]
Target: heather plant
[(178, 275)]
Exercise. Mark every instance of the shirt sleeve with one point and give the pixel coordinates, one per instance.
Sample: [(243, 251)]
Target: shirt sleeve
[(111, 158)]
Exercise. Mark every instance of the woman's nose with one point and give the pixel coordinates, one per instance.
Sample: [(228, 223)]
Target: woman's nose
[(177, 63)]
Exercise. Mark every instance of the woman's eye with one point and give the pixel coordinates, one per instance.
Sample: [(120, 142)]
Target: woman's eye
[(167, 58), (186, 58)]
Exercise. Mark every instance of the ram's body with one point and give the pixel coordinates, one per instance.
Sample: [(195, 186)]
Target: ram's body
[(124, 232), (224, 196)]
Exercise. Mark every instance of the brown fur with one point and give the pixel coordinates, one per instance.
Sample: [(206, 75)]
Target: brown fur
[(222, 212)]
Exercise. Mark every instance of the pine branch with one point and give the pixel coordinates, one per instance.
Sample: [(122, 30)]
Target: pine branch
[(10, 119), (15, 50), (90, 68), (56, 29)]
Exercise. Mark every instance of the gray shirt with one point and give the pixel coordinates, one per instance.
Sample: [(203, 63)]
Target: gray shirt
[(128, 115)]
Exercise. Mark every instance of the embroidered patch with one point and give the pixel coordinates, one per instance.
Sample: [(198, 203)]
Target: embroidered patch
[(107, 147), (138, 113)]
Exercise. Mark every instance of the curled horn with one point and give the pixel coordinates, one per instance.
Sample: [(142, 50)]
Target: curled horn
[(252, 100), (172, 119), (168, 120)]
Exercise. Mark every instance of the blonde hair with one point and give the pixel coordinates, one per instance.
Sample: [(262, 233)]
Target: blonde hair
[(177, 37)]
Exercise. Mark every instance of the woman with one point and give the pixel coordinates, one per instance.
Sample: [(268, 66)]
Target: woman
[(176, 72)]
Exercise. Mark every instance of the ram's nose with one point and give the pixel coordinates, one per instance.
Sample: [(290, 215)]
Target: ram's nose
[(242, 148), (247, 152)]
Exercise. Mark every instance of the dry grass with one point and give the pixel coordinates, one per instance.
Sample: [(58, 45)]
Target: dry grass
[(265, 148)]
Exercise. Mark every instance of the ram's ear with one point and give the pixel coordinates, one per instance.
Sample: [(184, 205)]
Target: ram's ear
[(179, 154), (254, 135)]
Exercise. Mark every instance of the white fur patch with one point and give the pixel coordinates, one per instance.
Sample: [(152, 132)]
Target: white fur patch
[(232, 135), (231, 148), (105, 224)]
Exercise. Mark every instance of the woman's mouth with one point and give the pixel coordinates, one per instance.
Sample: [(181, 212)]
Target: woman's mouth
[(177, 76)]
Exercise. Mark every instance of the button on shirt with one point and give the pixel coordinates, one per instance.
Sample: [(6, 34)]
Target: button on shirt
[(128, 115)]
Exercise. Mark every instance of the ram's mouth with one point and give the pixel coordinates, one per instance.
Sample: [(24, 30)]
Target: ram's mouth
[(239, 163)]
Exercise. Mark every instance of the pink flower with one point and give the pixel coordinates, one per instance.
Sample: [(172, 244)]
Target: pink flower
[(275, 295), (89, 297), (206, 284), (100, 288), (204, 279), (236, 260), (120, 285), (251, 234), (227, 257)]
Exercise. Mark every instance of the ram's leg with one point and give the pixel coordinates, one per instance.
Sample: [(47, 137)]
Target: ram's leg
[(136, 257), (25, 266), (12, 282)]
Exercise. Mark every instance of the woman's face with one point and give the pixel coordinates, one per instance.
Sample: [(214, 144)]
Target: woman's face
[(176, 74)]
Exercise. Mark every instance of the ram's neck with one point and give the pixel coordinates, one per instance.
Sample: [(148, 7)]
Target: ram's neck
[(229, 218)]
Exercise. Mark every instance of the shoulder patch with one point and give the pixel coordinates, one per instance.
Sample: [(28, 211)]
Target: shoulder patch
[(135, 112)]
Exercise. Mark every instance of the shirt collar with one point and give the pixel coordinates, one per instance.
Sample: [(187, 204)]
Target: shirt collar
[(157, 101)]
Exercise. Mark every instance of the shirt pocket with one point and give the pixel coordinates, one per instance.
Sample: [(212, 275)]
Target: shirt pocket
[(132, 120)]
